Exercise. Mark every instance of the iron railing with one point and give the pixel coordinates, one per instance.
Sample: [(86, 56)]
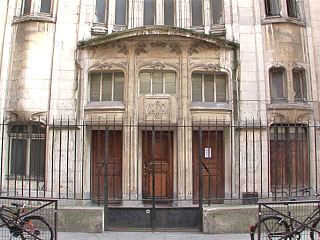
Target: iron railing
[(157, 161)]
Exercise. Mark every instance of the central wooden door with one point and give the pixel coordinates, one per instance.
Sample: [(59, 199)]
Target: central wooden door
[(213, 169), (163, 164), (114, 165)]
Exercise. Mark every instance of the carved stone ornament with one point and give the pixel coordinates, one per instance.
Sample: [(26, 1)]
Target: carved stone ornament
[(277, 65), (193, 49), (158, 66), (157, 109), (212, 67), (141, 48), (158, 44), (122, 48), (175, 48)]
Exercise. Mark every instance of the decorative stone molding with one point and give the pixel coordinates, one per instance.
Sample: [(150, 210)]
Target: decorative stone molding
[(158, 44), (140, 48), (194, 48), (157, 108), (158, 66), (211, 67), (109, 66), (175, 48), (122, 48)]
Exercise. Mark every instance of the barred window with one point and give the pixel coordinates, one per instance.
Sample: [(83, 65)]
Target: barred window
[(106, 86), (209, 87), (27, 150), (157, 82)]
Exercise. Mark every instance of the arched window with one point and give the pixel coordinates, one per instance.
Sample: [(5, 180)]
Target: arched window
[(106, 86), (299, 85), (278, 84), (209, 87)]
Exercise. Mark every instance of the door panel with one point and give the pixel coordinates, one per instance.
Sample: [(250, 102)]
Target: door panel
[(213, 176), (114, 165), (163, 158)]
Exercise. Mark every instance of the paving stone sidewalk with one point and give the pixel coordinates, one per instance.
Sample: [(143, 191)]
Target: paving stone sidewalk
[(150, 236)]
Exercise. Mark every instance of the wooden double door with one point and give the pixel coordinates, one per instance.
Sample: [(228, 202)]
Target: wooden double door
[(114, 164), (157, 154), (213, 166)]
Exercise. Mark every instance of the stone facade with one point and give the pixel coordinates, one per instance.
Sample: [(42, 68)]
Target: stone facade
[(46, 61)]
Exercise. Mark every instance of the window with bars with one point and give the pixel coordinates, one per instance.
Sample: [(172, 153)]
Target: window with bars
[(272, 7), (299, 85), (106, 86), (209, 87), (27, 150), (278, 86), (157, 82)]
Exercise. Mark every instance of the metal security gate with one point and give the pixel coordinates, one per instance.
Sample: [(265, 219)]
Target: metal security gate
[(159, 208)]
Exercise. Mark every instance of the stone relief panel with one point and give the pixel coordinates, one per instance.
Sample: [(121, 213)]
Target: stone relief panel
[(157, 109)]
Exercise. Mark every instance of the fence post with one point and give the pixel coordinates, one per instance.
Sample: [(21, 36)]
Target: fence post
[(200, 178), (153, 212), (106, 183)]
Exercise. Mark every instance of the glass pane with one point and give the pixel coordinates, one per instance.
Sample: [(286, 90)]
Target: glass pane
[(37, 157), (27, 7), (45, 6), (197, 12), (196, 87), (100, 11), (157, 83), (208, 88), (95, 87), (145, 82), (168, 12), (292, 8), (216, 11), (221, 85), (121, 12), (148, 14), (277, 85), (297, 85), (118, 86), (272, 7), (107, 87), (170, 83), (18, 156)]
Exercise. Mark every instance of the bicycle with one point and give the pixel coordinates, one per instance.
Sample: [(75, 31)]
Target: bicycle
[(276, 226), (24, 227)]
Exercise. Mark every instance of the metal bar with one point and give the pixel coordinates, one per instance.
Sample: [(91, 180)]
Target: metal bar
[(216, 157), (56, 220), (239, 170), (30, 155), (68, 139), (259, 222), (75, 161), (231, 157), (254, 156), (60, 160), (1, 160), (52, 158), (106, 180), (82, 164), (98, 162), (200, 176), (315, 154), (261, 158), (246, 155), (153, 212)]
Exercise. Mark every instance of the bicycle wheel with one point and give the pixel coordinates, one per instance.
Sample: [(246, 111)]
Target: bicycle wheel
[(272, 227), (315, 235), (37, 226)]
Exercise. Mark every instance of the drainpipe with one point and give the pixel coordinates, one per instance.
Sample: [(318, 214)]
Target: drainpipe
[(3, 94), (52, 61)]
